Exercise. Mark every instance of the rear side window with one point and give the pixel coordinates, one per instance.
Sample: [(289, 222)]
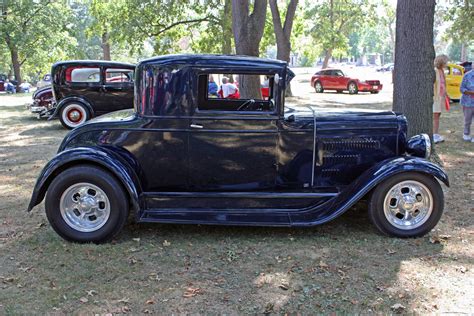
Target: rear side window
[(117, 75), (82, 74), (236, 92)]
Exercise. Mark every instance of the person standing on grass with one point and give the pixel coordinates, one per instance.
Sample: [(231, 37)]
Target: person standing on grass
[(467, 102), (439, 96)]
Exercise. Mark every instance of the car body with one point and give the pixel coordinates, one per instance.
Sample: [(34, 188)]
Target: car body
[(335, 79), (88, 88), (44, 82), (182, 156), (454, 74), (386, 67), (43, 102)]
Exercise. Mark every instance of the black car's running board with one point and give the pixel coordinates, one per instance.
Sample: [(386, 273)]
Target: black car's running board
[(240, 195)]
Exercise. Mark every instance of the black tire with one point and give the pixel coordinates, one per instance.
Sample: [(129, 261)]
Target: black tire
[(115, 193), (318, 87), (69, 111), (352, 88), (339, 91), (385, 226)]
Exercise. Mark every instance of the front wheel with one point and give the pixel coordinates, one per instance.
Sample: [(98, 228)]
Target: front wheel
[(407, 205), (318, 87), (352, 87), (86, 204), (73, 115)]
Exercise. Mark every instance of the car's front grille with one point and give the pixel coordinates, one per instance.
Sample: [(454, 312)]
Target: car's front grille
[(350, 144)]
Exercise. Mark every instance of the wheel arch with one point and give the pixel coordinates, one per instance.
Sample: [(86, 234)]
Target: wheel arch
[(363, 186), (103, 159), (68, 100)]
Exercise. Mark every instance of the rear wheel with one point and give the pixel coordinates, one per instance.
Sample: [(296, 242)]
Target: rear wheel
[(318, 87), (73, 115), (407, 205), (86, 204), (352, 87)]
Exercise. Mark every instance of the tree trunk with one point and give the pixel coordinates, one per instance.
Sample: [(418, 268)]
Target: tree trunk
[(327, 56), (15, 59), (283, 32), (106, 46), (248, 32), (413, 72), (226, 26)]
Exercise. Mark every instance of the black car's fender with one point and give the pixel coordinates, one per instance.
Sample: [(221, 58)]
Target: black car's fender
[(359, 188), (102, 157), (67, 100)]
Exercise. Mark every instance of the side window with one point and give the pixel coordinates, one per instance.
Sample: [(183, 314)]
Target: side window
[(116, 75), (338, 73), (236, 92), (456, 72), (447, 70), (82, 74)]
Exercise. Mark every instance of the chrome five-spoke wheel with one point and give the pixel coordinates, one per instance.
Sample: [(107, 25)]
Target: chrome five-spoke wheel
[(84, 207), (86, 203), (408, 204)]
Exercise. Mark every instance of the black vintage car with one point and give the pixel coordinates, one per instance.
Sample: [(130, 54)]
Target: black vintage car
[(189, 155), (85, 89)]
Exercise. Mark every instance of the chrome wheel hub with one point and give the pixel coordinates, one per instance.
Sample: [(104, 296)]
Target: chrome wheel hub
[(408, 205), (84, 207)]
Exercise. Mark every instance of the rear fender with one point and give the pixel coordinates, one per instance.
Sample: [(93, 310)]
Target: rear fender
[(65, 101), (104, 158), (363, 185)]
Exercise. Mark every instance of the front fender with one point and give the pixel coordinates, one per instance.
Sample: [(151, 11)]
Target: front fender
[(364, 184), (83, 155), (63, 102)]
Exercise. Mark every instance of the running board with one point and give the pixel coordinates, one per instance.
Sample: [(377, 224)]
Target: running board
[(240, 195)]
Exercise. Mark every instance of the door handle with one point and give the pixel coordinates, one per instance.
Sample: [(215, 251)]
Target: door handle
[(196, 126)]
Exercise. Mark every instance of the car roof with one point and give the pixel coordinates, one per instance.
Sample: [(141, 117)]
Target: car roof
[(212, 59), (93, 63)]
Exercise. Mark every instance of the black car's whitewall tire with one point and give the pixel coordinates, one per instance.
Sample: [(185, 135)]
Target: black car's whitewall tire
[(86, 204), (73, 115), (406, 205)]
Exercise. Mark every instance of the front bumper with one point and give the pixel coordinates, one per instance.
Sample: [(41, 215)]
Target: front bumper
[(369, 88), (40, 111)]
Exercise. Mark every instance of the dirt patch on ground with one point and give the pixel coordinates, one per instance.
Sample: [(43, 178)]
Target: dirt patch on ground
[(344, 266)]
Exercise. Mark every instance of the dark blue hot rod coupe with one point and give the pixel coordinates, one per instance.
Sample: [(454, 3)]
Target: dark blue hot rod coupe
[(205, 146)]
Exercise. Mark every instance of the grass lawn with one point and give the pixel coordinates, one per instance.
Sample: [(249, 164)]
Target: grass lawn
[(343, 266)]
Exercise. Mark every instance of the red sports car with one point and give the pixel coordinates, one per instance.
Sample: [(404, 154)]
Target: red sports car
[(334, 79)]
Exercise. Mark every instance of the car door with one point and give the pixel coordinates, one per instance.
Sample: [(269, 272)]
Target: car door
[(117, 89), (232, 142), (339, 80)]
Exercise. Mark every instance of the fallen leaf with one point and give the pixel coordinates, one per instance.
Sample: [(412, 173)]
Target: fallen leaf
[(149, 302), (398, 308), (166, 243), (91, 292), (125, 309), (462, 269), (83, 300), (192, 291), (284, 286), (391, 251), (123, 300), (323, 265), (268, 308), (136, 239)]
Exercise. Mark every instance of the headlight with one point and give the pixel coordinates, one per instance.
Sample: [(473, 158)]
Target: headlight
[(419, 146)]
